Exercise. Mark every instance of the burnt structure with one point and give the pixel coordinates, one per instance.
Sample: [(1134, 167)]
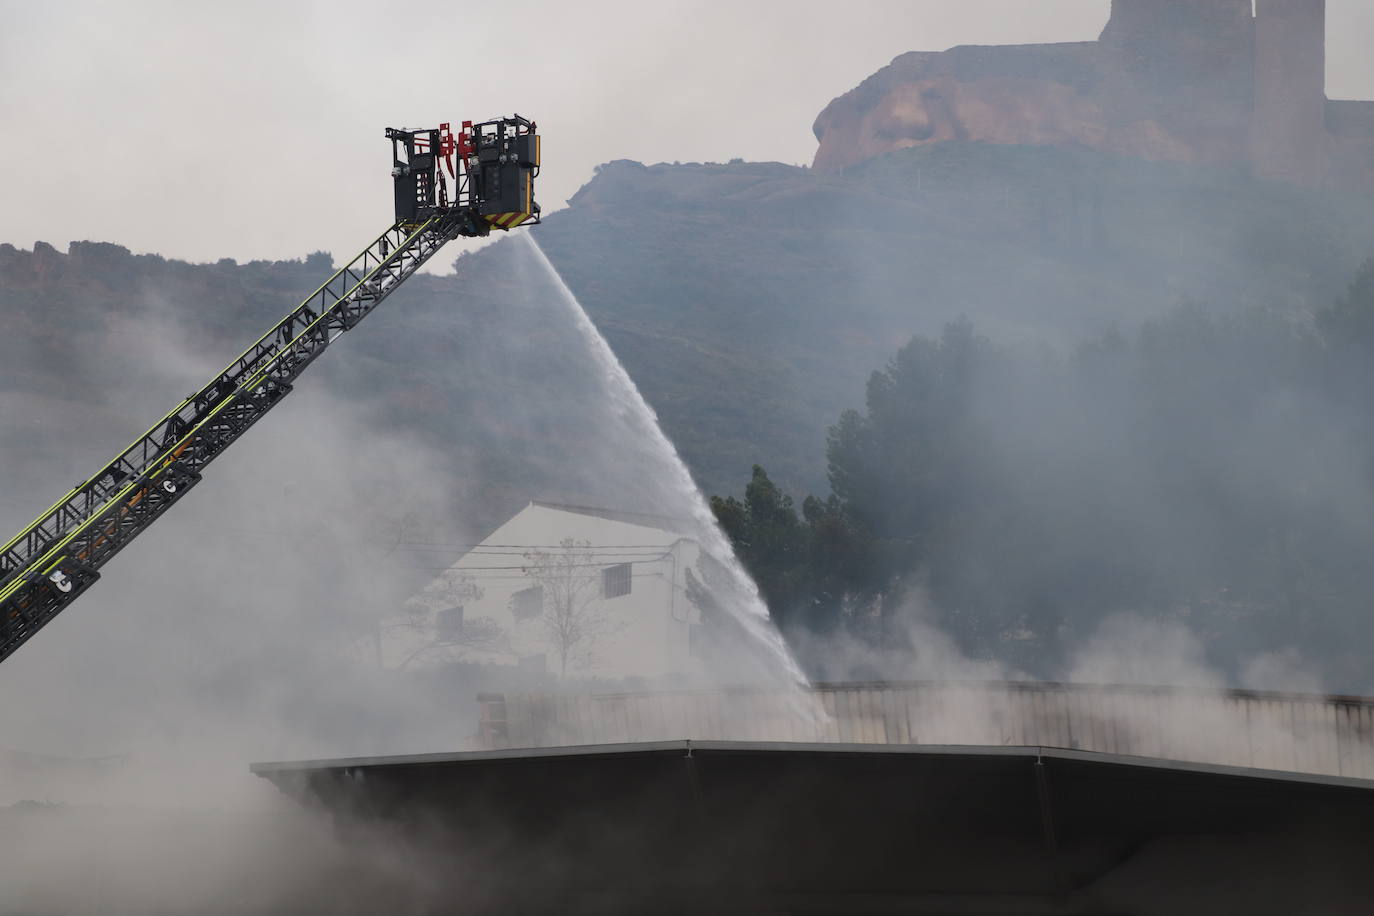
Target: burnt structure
[(739, 827), (1207, 82)]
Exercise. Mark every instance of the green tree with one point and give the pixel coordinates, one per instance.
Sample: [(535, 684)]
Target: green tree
[(899, 466), (1211, 466), (770, 540), (814, 570), (1349, 321)]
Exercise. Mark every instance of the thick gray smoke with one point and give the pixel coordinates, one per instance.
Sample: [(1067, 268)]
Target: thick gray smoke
[(245, 625), (240, 627)]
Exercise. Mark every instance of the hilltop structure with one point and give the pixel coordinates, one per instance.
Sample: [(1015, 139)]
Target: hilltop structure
[(1212, 82)]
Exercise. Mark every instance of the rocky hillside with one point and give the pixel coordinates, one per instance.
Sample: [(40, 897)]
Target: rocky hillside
[(752, 300), (1224, 83), (749, 300)]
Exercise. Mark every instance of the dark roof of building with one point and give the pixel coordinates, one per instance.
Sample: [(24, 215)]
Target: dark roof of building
[(767, 827), (693, 748)]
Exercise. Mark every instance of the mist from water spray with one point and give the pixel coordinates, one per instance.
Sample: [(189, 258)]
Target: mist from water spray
[(746, 606)]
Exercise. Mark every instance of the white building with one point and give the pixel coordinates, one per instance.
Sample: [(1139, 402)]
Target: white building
[(571, 590)]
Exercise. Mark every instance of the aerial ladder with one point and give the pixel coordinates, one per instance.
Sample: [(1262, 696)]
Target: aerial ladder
[(446, 186)]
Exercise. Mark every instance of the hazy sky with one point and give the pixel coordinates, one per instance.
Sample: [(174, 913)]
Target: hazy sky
[(254, 129)]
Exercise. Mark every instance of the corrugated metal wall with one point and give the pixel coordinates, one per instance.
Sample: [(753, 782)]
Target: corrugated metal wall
[(1331, 735)]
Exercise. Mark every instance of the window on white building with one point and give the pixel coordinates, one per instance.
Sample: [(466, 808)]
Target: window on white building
[(448, 625), (527, 603), (616, 580)]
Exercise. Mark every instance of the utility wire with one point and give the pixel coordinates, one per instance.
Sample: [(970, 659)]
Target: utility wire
[(527, 566), (439, 544)]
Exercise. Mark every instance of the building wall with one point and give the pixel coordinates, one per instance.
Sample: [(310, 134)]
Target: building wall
[(644, 634), (1289, 128), (1291, 732)]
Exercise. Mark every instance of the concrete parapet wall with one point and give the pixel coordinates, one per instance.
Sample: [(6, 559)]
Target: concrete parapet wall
[(1331, 735)]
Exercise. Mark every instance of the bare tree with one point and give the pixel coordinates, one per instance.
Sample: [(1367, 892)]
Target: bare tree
[(570, 579), (437, 616)]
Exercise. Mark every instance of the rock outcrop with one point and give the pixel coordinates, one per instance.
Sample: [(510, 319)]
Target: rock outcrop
[(1195, 81)]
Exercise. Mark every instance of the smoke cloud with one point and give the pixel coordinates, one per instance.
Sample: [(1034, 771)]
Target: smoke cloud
[(245, 625)]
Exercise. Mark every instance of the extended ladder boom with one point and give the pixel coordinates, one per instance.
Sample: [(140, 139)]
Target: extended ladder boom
[(56, 558)]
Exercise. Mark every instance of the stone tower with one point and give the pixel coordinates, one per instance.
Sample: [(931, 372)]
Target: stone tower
[(1289, 138), (1180, 48), (1151, 26)]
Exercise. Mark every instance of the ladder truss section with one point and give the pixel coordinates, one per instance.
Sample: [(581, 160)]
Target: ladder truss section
[(57, 557)]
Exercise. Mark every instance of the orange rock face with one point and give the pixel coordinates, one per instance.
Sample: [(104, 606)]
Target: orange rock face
[(937, 108), (1168, 80)]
